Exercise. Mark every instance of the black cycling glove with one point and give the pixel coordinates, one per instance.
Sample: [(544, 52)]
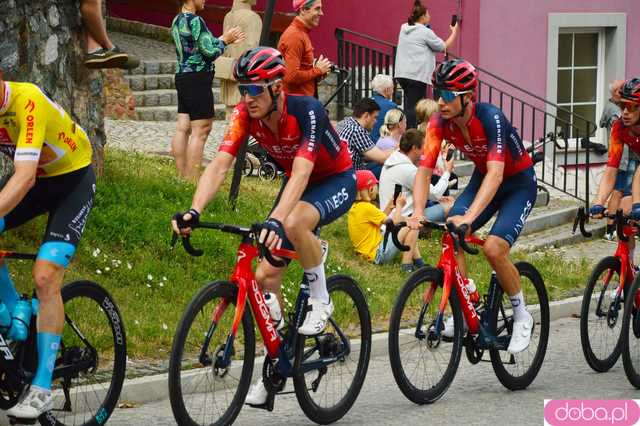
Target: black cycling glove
[(193, 222)]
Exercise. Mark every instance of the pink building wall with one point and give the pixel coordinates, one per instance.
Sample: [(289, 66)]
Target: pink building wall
[(513, 35)]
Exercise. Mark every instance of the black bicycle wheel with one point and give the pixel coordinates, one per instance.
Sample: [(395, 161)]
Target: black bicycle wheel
[(630, 336), (200, 393), (422, 365), (600, 327), (326, 396), (247, 170), (517, 371), (93, 335), (267, 171)]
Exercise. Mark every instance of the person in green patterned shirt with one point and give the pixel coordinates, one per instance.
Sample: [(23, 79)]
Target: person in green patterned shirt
[(196, 49)]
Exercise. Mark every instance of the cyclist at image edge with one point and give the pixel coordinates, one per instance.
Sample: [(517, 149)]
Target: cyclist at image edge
[(53, 174), (625, 131), (503, 181), (319, 186)]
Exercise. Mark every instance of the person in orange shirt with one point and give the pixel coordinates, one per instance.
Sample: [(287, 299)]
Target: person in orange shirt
[(303, 71)]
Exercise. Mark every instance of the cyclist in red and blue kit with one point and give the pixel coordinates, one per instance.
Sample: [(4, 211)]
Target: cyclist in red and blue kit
[(503, 180), (319, 187)]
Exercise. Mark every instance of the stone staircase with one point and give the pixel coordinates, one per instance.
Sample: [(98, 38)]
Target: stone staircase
[(156, 99)]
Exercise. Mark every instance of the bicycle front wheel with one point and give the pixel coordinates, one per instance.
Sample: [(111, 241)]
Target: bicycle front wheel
[(517, 371), (423, 365), (630, 337), (91, 364), (201, 392), (600, 327), (326, 394)]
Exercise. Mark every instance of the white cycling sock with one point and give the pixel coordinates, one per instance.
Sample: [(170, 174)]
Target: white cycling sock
[(519, 307), (317, 283)]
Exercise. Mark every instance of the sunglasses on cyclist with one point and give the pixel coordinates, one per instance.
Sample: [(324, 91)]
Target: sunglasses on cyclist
[(449, 96), (629, 106), (253, 89)]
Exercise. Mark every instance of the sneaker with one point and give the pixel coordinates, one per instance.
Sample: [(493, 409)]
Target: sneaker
[(610, 236), (35, 402), (317, 317), (106, 58), (448, 327), (257, 395), (521, 336)]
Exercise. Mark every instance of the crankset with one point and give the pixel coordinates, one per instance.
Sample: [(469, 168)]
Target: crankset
[(273, 381), (472, 350)]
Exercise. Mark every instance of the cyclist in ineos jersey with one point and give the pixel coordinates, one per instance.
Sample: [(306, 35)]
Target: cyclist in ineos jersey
[(625, 131), (319, 187), (503, 180)]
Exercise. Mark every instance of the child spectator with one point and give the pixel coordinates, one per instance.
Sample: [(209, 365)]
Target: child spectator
[(395, 124), (365, 221)]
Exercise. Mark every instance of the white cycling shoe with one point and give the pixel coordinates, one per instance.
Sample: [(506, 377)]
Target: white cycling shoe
[(448, 327), (317, 318), (521, 336), (257, 395), (32, 405)]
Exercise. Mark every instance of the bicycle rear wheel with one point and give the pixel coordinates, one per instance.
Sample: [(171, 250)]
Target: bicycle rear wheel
[(422, 365), (93, 336), (630, 337), (200, 393), (326, 395), (517, 371), (600, 327)]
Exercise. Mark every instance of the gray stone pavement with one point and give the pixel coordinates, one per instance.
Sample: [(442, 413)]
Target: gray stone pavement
[(145, 48), (475, 397), (154, 137)]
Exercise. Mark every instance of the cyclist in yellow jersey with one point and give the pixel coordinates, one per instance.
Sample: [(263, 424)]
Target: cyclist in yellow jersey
[(53, 174)]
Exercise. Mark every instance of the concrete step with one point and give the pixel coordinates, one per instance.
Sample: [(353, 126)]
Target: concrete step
[(156, 81), (154, 67), (557, 236), (164, 97), (169, 113)]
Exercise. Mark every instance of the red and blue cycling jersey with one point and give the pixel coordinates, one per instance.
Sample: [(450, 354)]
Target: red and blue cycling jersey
[(621, 135), (304, 130), (491, 138)]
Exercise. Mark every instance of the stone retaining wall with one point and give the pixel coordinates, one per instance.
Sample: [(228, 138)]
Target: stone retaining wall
[(42, 42)]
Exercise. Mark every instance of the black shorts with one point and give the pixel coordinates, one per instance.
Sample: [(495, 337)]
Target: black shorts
[(68, 199), (195, 96)]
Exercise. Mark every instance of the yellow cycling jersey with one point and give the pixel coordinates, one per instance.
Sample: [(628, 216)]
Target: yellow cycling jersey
[(34, 128)]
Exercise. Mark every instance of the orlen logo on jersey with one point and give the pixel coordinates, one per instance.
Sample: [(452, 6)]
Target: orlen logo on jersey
[(30, 126), (30, 106), (67, 140)]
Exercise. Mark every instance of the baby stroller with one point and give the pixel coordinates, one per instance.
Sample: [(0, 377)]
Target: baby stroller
[(258, 160)]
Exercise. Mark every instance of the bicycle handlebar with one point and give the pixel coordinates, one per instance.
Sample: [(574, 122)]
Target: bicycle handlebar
[(618, 217), (245, 232), (459, 234)]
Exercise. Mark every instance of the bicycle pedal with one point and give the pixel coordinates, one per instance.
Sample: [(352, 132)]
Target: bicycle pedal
[(18, 421)]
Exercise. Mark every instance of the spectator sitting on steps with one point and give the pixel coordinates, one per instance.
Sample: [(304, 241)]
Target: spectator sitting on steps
[(355, 130), (382, 91), (401, 168), (365, 220), (102, 53), (395, 124)]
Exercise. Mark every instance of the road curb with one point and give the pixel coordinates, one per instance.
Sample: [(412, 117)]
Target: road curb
[(154, 388)]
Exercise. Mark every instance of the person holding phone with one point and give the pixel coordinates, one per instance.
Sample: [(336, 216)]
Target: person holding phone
[(365, 224), (416, 57)]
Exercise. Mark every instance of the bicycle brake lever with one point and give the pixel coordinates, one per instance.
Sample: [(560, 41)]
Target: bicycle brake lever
[(266, 253)]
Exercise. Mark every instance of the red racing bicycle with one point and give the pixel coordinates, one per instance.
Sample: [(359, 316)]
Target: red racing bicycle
[(424, 362), (214, 347)]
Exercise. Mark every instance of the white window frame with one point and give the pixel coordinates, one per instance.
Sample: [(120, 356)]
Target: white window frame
[(600, 100), (614, 26)]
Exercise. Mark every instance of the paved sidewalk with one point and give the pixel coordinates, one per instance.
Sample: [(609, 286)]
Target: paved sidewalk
[(154, 137)]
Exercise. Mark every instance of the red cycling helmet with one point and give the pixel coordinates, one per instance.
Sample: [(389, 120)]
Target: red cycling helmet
[(630, 91), (259, 63), (456, 75)]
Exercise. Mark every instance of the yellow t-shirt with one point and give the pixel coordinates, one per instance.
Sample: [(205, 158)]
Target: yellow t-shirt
[(34, 128), (364, 221)]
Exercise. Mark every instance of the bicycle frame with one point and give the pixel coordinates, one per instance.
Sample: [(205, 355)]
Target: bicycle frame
[(627, 272), (453, 279)]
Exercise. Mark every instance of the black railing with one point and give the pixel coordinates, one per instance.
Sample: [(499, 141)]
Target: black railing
[(567, 160)]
